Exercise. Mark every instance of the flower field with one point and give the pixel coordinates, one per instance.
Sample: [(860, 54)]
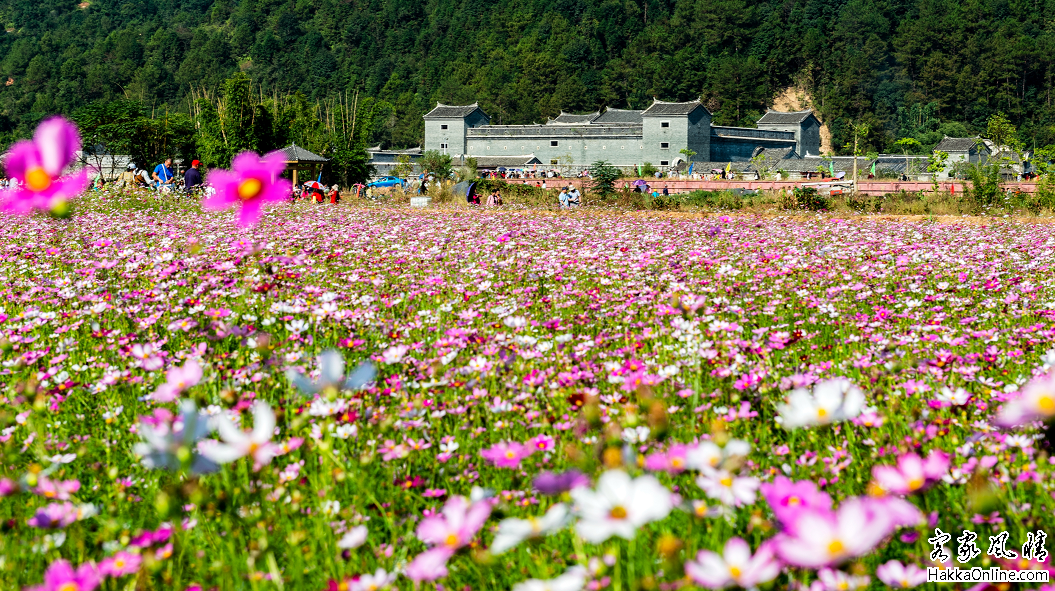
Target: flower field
[(361, 398)]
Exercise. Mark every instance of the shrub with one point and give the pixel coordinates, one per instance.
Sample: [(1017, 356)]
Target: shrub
[(604, 177), (810, 199)]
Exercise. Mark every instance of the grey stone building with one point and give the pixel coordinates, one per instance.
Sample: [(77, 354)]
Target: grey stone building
[(626, 138)]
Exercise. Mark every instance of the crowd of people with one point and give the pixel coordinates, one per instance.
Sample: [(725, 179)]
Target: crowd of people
[(494, 199), (317, 193)]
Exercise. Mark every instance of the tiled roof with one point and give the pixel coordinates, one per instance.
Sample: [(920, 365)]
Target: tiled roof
[(443, 111), (617, 116), (783, 118), (705, 167), (957, 144), (751, 133), (295, 153), (586, 130), (663, 108), (506, 161), (378, 150), (812, 164), (573, 119)]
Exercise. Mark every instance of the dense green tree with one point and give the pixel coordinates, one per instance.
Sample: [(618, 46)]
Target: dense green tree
[(916, 68)]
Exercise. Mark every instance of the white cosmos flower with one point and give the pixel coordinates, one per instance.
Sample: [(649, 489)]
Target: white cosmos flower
[(707, 454), (395, 353), (238, 444), (636, 434), (833, 400), (379, 580), (728, 488), (572, 580), (619, 506), (513, 531), (353, 538), (957, 397)]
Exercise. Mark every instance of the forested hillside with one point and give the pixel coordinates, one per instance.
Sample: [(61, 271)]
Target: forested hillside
[(907, 68)]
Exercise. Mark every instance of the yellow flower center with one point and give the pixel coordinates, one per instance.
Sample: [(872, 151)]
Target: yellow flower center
[(793, 500), (511, 454), (1046, 404), (253, 447), (836, 547), (821, 413), (617, 512), (915, 483), (37, 179), (843, 586), (250, 189), (452, 540), (676, 463), (119, 563), (71, 586), (735, 572), (727, 481)]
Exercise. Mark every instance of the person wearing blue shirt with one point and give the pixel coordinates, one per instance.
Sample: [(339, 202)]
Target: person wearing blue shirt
[(163, 174)]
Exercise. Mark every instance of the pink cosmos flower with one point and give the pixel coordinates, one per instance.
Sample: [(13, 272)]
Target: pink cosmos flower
[(837, 580), (788, 498), (912, 474), (728, 488), (1036, 400), (60, 576), (147, 358), (821, 537), (736, 566), (542, 443), (251, 182), (507, 454), (456, 525), (37, 165), (238, 444), (120, 564), (429, 565), (178, 379), (674, 460), (56, 489), (55, 515), (901, 576)]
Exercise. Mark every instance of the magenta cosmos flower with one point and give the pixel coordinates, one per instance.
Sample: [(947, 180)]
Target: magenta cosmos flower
[(251, 182), (507, 454), (912, 473), (457, 524), (788, 498), (38, 165), (60, 576), (734, 567)]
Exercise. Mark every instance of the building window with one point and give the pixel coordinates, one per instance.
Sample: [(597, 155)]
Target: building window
[(664, 123), (443, 146), (553, 162), (664, 145), (553, 143), (443, 126), (664, 163)]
